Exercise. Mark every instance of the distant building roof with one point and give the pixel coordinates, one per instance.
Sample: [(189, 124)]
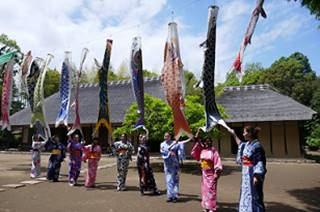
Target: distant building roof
[(120, 99), (252, 103), (255, 103)]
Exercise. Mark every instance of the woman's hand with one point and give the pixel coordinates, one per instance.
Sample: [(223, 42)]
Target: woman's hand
[(217, 174), (172, 153), (255, 180), (231, 131)]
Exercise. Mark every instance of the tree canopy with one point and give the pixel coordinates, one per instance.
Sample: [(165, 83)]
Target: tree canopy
[(312, 5), (51, 82), (158, 117)]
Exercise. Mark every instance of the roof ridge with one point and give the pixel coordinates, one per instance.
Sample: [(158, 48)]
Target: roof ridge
[(119, 82), (249, 87)]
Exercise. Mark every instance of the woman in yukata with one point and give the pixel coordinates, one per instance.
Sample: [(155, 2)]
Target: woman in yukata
[(146, 178), (172, 153), (92, 153), (37, 147), (75, 150), (251, 156), (123, 149), (58, 153), (211, 167)]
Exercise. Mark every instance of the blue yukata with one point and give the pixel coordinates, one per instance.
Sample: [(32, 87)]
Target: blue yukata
[(75, 151), (251, 156), (58, 153), (171, 157)]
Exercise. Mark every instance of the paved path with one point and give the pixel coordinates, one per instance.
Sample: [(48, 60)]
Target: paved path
[(289, 187)]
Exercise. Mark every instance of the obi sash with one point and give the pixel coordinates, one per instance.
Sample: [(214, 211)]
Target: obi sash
[(76, 153), (56, 152), (206, 164), (246, 161), (122, 151), (94, 155)]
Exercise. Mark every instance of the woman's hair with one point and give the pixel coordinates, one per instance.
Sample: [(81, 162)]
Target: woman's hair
[(253, 131)]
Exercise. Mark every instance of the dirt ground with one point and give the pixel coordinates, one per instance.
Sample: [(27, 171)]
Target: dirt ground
[(289, 187)]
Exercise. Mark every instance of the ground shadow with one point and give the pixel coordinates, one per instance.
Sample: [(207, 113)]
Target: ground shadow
[(270, 206), (26, 168), (188, 197), (112, 186), (309, 196)]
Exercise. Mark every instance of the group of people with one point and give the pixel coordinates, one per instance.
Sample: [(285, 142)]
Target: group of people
[(250, 156), (78, 152)]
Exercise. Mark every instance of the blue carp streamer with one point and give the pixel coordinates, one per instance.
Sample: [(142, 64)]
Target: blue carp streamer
[(65, 90)]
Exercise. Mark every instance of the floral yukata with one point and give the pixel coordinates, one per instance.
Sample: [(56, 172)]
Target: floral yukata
[(211, 166), (37, 147), (58, 153), (171, 166), (123, 152), (146, 178), (93, 155), (75, 151), (251, 157)]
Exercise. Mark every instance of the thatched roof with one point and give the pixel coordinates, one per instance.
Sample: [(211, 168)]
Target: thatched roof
[(120, 99), (256, 103)]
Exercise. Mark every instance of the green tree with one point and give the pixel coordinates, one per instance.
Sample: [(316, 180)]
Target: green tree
[(9, 42), (147, 73), (312, 5), (51, 82), (158, 117), (315, 102), (253, 74), (313, 139), (123, 71), (190, 81), (293, 77)]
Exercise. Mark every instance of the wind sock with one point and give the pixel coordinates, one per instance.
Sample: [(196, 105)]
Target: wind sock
[(32, 79), (171, 81), (247, 37), (137, 78), (65, 90), (77, 124), (104, 117), (212, 113), (25, 68), (7, 94), (6, 57), (38, 115)]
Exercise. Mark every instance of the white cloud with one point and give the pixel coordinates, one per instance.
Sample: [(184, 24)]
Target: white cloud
[(58, 25)]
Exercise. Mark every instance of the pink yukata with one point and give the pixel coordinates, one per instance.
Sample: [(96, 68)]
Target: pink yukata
[(93, 155), (210, 164)]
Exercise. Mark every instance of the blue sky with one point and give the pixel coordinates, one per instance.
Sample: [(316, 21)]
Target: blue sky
[(54, 26)]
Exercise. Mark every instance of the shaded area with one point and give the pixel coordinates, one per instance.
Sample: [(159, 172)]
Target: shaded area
[(189, 197), (313, 157), (26, 168), (309, 196), (270, 206)]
